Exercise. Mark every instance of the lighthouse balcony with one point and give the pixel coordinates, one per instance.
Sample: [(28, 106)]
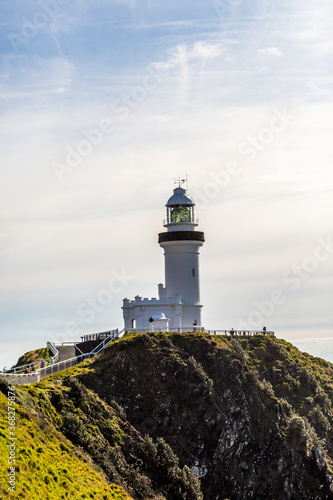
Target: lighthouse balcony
[(181, 236)]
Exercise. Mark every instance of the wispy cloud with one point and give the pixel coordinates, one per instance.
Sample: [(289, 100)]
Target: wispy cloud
[(271, 51), (182, 55)]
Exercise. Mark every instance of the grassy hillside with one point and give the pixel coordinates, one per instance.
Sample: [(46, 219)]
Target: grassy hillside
[(34, 356), (95, 432), (181, 416), (47, 464)]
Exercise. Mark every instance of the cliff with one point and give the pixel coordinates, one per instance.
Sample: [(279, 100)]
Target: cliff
[(190, 416)]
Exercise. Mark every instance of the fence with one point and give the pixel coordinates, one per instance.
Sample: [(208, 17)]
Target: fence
[(36, 365), (97, 336), (29, 378), (239, 333)]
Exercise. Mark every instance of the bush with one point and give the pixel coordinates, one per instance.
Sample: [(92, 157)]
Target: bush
[(300, 433), (239, 351), (308, 380), (319, 421), (324, 401)]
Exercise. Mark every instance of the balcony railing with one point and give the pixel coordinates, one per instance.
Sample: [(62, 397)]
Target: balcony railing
[(194, 222)]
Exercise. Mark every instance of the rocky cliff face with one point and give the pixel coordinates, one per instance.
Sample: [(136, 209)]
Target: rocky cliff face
[(252, 418), (193, 416)]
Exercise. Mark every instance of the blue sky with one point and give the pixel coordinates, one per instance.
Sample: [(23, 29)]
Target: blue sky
[(236, 94)]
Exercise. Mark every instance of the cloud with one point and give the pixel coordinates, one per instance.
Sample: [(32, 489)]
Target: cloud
[(271, 51), (184, 54)]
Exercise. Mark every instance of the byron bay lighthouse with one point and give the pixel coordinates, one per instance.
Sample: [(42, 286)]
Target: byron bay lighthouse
[(178, 305)]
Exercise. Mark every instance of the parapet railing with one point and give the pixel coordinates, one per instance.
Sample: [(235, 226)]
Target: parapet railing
[(98, 336), (181, 223), (153, 329), (37, 375)]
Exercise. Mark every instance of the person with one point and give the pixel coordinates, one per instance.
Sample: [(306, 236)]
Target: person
[(26, 371), (264, 330), (231, 331), (42, 363), (33, 369)]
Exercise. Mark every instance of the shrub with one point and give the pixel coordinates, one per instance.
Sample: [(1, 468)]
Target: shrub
[(319, 421), (300, 433), (286, 407), (323, 400), (267, 388), (308, 380), (239, 351)]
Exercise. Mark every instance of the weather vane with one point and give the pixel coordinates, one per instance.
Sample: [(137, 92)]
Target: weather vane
[(180, 181)]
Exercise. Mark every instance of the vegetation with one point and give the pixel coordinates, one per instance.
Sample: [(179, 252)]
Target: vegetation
[(34, 356), (179, 416), (48, 465)]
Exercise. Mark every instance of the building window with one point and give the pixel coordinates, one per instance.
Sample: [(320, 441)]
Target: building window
[(193, 272)]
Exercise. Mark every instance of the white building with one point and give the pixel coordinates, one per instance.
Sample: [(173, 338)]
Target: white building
[(178, 304)]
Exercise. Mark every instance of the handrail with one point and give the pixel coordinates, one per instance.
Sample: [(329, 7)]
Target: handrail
[(241, 333), (195, 329), (55, 351), (113, 335), (77, 348), (30, 378), (29, 366), (65, 343)]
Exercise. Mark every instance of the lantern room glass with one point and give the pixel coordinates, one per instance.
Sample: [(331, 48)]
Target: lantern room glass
[(180, 214)]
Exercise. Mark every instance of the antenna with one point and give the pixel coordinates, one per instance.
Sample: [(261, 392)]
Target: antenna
[(180, 181)]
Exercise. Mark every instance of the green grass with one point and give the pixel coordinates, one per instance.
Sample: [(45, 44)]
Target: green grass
[(48, 465), (34, 356)]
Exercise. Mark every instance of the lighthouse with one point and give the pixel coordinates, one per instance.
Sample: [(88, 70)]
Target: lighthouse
[(178, 306)]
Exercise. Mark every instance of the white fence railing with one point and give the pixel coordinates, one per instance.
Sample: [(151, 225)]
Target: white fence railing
[(37, 375), (239, 333), (30, 378), (36, 365)]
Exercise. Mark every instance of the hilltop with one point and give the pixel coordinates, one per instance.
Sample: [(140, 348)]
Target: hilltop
[(184, 416)]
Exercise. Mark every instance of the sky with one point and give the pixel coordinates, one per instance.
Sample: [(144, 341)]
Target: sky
[(105, 103)]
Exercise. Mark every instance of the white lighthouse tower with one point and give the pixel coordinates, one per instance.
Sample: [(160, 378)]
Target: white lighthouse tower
[(178, 306)]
